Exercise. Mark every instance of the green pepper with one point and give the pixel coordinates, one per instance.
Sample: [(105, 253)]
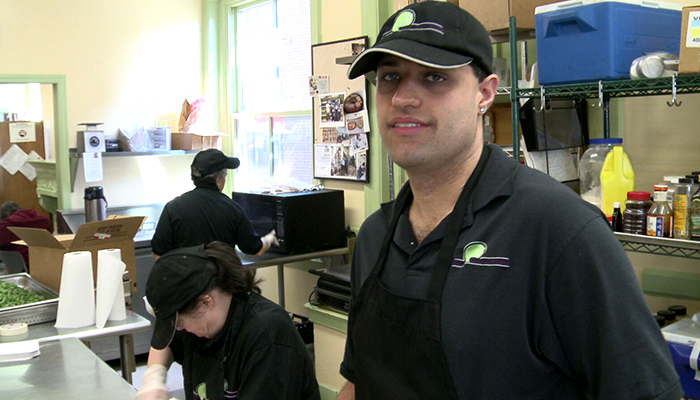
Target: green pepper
[(12, 295)]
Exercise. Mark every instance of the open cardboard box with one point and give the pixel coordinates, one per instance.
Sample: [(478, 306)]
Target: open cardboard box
[(399, 4), (495, 14), (46, 250), (689, 60)]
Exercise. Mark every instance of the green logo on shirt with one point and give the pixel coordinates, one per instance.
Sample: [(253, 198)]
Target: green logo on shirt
[(473, 254), (474, 250), (201, 391)]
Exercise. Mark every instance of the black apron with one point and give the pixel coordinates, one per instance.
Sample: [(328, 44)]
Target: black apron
[(398, 351), (207, 367), (208, 371)]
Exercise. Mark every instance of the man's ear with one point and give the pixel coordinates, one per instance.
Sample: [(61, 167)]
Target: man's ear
[(488, 88)]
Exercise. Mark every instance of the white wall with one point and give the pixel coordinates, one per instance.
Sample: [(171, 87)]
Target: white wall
[(138, 180), (343, 20), (127, 63)]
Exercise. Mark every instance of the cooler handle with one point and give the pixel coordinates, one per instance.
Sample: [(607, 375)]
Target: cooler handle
[(693, 361), (650, 4), (569, 4), (566, 24)]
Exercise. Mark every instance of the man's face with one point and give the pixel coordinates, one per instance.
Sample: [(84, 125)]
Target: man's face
[(428, 117)]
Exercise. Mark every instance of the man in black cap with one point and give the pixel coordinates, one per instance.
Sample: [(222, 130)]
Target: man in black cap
[(205, 214), (484, 279), (232, 343)]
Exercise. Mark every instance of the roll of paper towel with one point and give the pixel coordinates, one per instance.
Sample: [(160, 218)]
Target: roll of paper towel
[(110, 290), (76, 294)]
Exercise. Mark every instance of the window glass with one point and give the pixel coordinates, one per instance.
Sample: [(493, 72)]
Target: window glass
[(253, 149), (271, 57), (292, 142)]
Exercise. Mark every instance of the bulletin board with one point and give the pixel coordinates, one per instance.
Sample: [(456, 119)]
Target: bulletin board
[(341, 121)]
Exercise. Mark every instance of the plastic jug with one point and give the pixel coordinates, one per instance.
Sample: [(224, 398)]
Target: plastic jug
[(616, 178), (591, 165)]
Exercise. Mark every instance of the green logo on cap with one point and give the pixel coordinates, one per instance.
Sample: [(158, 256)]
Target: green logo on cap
[(406, 18)]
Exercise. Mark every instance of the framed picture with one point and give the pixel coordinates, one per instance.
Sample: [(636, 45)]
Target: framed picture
[(340, 118)]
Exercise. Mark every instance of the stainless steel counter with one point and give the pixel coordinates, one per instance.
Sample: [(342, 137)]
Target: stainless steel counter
[(271, 259), (46, 331), (66, 369), (124, 330)]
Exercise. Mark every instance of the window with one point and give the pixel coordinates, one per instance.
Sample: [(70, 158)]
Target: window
[(270, 64), (21, 102)]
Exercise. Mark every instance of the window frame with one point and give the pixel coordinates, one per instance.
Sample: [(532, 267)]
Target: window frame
[(232, 90)]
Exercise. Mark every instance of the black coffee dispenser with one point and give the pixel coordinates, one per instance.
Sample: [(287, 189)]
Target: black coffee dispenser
[(95, 204)]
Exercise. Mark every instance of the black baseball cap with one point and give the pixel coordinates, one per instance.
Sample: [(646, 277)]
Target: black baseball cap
[(177, 278), (212, 160), (434, 34)]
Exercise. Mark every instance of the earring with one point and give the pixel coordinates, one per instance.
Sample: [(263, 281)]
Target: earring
[(482, 110)]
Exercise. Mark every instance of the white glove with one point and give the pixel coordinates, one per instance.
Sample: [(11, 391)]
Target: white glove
[(270, 239), (153, 387)]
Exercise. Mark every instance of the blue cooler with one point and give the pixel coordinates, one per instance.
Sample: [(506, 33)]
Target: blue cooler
[(592, 40), (683, 338)]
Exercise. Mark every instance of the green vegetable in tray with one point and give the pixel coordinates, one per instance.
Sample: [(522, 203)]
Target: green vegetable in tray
[(12, 295)]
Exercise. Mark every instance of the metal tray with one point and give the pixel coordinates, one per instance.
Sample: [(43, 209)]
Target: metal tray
[(33, 313)]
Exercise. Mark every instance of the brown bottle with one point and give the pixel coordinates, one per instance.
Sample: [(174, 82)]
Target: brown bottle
[(659, 216)]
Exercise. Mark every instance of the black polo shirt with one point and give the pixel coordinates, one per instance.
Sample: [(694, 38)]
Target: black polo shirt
[(259, 350), (541, 301), (200, 216)]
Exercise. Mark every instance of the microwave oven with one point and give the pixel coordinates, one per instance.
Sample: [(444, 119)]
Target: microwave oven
[(304, 221)]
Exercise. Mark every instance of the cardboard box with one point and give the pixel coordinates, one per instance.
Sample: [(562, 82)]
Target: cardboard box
[(399, 4), (495, 14), (501, 117), (46, 250), (689, 60), (195, 141)]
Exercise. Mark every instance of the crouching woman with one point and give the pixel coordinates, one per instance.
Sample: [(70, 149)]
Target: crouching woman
[(232, 343)]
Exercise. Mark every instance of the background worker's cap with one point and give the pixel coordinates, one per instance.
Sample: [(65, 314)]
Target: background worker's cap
[(212, 160)]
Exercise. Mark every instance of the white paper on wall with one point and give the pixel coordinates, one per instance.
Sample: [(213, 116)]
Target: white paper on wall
[(21, 132), (13, 159), (92, 166)]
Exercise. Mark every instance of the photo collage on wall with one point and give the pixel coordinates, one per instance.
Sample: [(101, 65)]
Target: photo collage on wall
[(340, 112), (344, 124)]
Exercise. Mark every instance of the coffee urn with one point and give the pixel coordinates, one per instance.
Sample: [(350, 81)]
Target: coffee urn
[(95, 204)]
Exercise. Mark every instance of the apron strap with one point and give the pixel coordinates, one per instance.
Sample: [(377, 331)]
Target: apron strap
[(405, 195), (454, 225)]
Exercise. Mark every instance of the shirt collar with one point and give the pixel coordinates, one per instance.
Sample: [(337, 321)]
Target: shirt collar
[(496, 181)]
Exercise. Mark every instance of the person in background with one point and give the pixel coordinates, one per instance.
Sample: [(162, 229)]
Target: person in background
[(12, 214), (204, 214), (232, 342), (484, 279)]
